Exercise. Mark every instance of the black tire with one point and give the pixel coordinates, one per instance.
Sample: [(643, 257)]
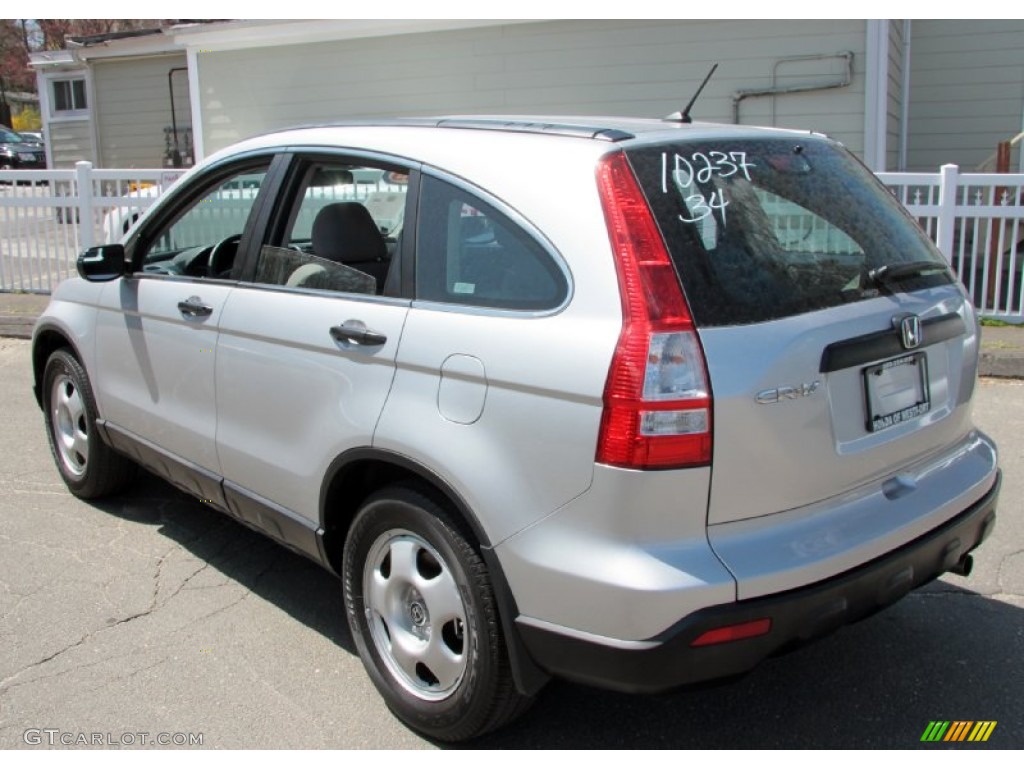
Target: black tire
[(461, 683), (88, 466)]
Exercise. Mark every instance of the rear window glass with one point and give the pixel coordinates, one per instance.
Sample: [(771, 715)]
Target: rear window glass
[(763, 229)]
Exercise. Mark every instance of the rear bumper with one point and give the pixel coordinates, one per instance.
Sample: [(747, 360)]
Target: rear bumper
[(18, 164), (797, 616)]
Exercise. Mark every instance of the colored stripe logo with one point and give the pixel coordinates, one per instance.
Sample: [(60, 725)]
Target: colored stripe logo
[(958, 730)]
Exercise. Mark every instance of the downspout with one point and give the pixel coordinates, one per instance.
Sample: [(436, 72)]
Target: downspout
[(775, 90), (176, 156), (196, 105), (905, 100), (876, 93)]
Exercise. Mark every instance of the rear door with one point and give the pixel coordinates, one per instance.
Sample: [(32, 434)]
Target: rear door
[(308, 338), (838, 345), (495, 389)]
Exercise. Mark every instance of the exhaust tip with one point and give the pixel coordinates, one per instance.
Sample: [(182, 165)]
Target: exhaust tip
[(963, 566)]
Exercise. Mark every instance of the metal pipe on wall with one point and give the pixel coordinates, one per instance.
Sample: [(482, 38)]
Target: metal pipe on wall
[(774, 90)]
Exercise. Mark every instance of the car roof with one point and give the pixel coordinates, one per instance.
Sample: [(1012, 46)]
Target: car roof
[(612, 130), (494, 151)]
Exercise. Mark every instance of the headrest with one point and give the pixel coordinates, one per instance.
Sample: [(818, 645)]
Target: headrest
[(346, 233)]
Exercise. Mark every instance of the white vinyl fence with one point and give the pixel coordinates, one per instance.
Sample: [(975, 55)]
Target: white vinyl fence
[(48, 217), (977, 221)]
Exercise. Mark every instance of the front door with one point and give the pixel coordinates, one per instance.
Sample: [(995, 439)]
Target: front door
[(157, 329)]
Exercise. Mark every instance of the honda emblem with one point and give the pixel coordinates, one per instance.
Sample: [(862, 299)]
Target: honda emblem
[(910, 331)]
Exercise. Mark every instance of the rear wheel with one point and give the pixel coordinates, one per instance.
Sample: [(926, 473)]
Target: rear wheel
[(88, 466), (423, 616)]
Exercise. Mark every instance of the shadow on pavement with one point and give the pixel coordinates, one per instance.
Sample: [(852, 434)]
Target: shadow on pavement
[(298, 586), (942, 653)]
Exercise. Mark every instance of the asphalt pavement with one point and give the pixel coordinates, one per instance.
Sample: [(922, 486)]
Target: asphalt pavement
[(151, 616)]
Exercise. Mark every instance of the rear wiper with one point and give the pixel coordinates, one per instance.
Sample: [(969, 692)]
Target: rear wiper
[(891, 273)]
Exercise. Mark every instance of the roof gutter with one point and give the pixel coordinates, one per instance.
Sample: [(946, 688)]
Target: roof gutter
[(235, 35)]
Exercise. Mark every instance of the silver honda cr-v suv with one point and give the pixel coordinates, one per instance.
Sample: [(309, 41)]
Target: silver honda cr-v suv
[(633, 403)]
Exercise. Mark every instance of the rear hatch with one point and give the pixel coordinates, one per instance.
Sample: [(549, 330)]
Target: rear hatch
[(839, 347)]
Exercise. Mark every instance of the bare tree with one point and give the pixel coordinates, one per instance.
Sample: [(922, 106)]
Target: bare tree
[(21, 37)]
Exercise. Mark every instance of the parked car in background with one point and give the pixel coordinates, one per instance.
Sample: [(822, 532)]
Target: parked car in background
[(690, 397), (20, 152)]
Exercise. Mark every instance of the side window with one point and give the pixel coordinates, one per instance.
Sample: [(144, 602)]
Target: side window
[(467, 252), (342, 231), (202, 241)]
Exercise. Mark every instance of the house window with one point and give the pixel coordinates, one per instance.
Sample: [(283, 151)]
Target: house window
[(69, 96)]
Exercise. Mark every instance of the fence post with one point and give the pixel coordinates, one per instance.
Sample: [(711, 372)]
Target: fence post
[(947, 210), (83, 180)]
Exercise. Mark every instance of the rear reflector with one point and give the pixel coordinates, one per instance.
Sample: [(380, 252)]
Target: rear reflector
[(733, 632)]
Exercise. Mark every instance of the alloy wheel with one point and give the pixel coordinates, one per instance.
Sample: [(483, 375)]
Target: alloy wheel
[(416, 614)]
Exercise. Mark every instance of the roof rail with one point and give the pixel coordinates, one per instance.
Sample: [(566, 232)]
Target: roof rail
[(524, 126), (512, 125)]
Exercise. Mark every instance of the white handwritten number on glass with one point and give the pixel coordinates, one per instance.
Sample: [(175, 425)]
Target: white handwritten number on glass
[(701, 167), (700, 207)]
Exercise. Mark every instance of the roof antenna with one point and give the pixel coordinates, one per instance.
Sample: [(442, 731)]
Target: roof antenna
[(684, 116)]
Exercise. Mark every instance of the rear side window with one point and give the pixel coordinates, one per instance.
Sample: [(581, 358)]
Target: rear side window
[(342, 229), (468, 252), (763, 229)]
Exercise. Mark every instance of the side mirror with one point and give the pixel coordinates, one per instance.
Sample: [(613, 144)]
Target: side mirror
[(102, 263)]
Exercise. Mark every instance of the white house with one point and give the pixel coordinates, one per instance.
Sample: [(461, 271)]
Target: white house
[(108, 99), (903, 95)]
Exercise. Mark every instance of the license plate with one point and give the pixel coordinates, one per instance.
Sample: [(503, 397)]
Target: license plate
[(896, 391)]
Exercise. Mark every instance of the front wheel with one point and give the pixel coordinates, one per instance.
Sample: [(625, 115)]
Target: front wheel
[(423, 616), (89, 468)]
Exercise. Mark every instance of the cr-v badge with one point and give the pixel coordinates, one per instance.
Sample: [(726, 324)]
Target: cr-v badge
[(769, 396)]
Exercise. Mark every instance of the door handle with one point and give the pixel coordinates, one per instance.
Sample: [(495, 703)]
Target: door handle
[(193, 307), (357, 332)]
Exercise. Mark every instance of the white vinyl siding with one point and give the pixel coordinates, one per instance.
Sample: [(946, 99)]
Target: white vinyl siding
[(69, 142), (133, 106), (966, 91), (633, 68)]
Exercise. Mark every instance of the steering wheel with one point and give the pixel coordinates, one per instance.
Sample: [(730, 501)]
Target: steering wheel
[(222, 257)]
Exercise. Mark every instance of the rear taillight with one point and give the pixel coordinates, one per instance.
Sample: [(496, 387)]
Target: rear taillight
[(657, 403)]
